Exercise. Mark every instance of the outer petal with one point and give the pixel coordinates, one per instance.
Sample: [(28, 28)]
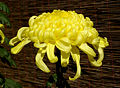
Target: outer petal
[(13, 41), (64, 58), (63, 44), (18, 48), (93, 61), (76, 57), (101, 55), (98, 44), (88, 50), (97, 63), (103, 42), (2, 35), (1, 26), (50, 53), (31, 20), (22, 32), (39, 61), (38, 45)]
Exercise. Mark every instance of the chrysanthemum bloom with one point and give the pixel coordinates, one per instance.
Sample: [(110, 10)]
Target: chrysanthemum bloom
[(1, 33), (66, 30)]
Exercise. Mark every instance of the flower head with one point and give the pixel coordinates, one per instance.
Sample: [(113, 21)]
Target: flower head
[(66, 30)]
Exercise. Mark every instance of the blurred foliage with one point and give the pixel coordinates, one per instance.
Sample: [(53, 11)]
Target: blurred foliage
[(3, 18), (6, 57), (4, 54)]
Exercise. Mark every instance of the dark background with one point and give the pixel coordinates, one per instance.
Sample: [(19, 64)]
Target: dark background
[(106, 17)]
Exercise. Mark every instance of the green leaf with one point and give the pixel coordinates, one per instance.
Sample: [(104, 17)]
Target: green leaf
[(6, 57), (4, 19), (6, 41), (4, 7), (3, 52), (1, 76), (11, 84), (55, 77), (49, 84), (10, 61), (2, 79)]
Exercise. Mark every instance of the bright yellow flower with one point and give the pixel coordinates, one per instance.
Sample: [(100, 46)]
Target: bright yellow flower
[(66, 30), (1, 33)]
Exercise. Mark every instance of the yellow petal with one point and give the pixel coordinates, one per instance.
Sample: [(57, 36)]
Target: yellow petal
[(97, 63), (18, 47), (32, 36), (22, 32), (2, 35), (63, 44), (103, 42), (89, 22), (88, 50), (76, 57), (13, 41), (39, 61), (93, 61), (48, 36), (79, 39), (31, 20), (84, 34), (50, 53), (64, 58), (38, 45), (40, 35), (95, 41), (1, 26), (92, 34), (101, 55)]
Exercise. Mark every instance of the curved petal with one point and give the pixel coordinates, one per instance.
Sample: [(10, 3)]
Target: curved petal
[(18, 47), (40, 35), (79, 39), (1, 26), (48, 36), (2, 35), (95, 41), (97, 63), (64, 58), (98, 46), (31, 20), (76, 57), (13, 41), (84, 34), (101, 55), (63, 44), (103, 42), (39, 61), (38, 45), (88, 50), (50, 53), (22, 32), (92, 35), (93, 61)]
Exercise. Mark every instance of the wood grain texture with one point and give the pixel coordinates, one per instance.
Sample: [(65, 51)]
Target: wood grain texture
[(106, 17)]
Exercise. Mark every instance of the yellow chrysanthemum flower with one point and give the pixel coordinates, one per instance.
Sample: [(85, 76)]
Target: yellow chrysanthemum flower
[(66, 30), (1, 33)]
